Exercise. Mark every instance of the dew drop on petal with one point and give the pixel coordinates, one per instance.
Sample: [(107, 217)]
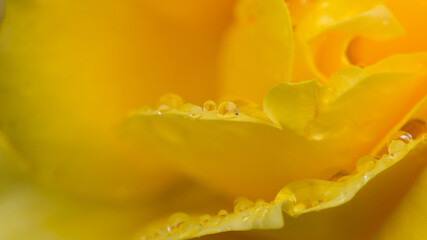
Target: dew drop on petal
[(171, 100), (222, 213), (402, 136), (177, 220), (209, 106), (397, 146), (299, 207), (241, 204), (228, 109), (415, 127), (163, 109)]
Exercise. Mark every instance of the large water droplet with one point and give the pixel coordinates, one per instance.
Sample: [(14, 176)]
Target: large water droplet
[(241, 204), (228, 109), (171, 100), (177, 220), (402, 136), (209, 106), (397, 148)]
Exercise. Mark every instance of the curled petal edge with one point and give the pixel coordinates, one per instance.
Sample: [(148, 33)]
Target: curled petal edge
[(297, 198)]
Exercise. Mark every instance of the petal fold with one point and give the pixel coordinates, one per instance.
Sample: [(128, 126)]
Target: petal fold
[(325, 28)]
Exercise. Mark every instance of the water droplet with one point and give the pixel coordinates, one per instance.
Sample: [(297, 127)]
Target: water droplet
[(171, 100), (299, 207), (228, 109), (365, 164), (415, 127), (177, 220), (397, 147), (241, 204), (209, 106), (401, 135), (193, 110), (222, 213), (204, 219), (163, 109)]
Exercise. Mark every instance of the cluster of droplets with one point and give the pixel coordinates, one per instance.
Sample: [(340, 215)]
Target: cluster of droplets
[(414, 129), (227, 109), (170, 102), (396, 147), (181, 224)]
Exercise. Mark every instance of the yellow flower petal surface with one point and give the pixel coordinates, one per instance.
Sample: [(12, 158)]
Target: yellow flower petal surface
[(352, 98), (71, 70), (410, 14), (304, 198), (226, 145), (257, 50), (323, 30)]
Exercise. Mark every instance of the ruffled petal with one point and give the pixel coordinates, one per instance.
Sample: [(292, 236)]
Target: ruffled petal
[(323, 30), (315, 203), (352, 102), (257, 50)]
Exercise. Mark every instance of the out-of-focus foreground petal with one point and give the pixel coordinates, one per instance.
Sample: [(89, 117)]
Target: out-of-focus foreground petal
[(257, 51), (28, 211), (241, 154), (71, 70)]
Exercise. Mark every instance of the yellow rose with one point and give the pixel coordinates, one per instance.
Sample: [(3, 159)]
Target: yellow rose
[(300, 103)]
